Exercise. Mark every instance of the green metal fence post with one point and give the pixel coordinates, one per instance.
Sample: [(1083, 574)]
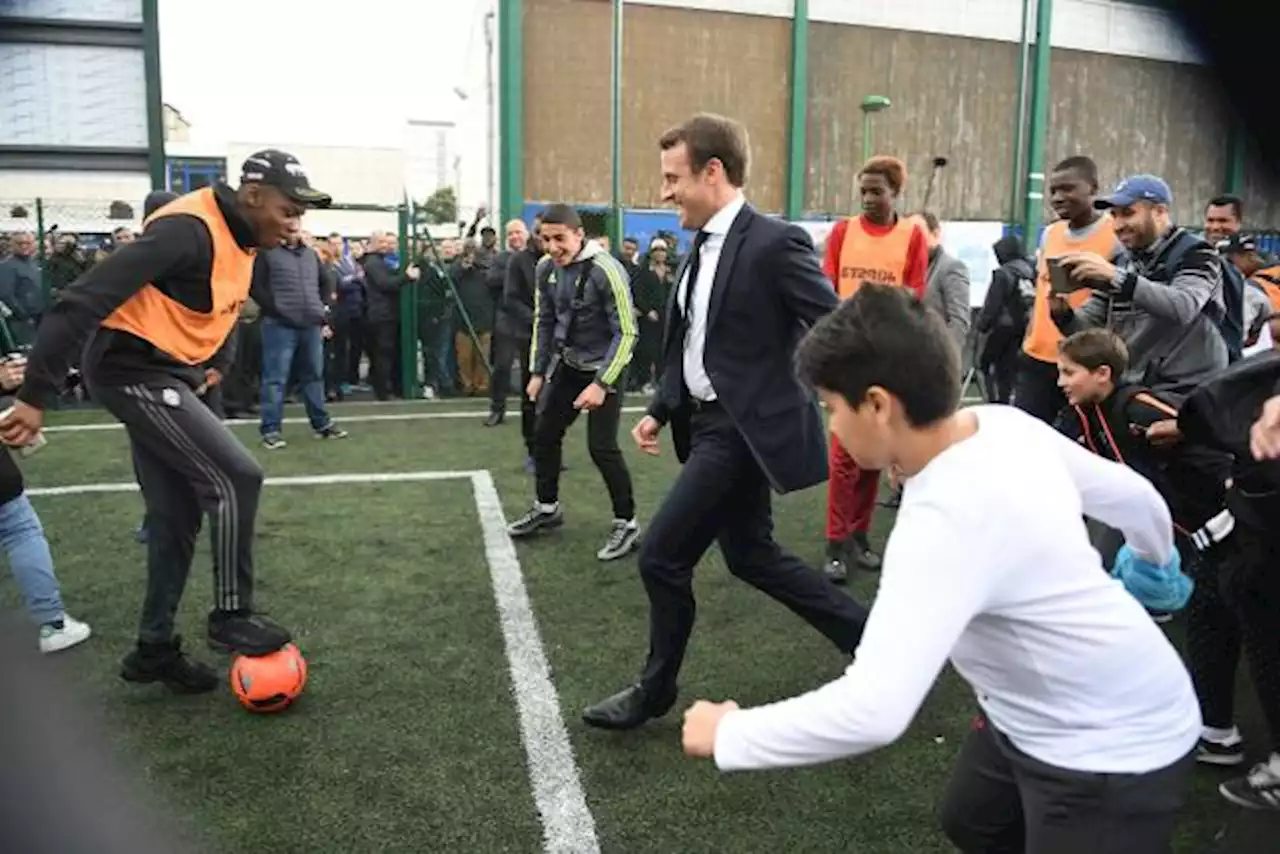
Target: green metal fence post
[(408, 312), (154, 95), (41, 255), (511, 107), (1236, 152), (615, 156), (1020, 114), (1033, 212), (797, 148)]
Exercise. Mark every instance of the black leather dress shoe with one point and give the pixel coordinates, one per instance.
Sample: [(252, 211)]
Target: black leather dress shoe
[(629, 708)]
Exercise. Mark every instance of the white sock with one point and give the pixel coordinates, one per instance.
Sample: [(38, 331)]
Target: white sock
[(630, 523), (549, 508), (1275, 764), (1225, 737)]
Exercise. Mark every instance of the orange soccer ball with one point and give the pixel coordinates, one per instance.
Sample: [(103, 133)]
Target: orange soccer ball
[(269, 683)]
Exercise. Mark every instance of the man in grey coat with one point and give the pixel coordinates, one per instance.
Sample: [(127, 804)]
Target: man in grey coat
[(1163, 297), (947, 285)]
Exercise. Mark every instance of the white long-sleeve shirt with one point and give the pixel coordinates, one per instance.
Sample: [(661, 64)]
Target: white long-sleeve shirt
[(989, 564)]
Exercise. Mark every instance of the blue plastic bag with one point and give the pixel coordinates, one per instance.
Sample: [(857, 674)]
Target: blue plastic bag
[(1159, 588)]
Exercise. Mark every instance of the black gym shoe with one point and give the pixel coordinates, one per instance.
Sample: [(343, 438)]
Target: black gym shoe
[(1223, 753), (166, 663), (1259, 790), (836, 567), (332, 431), (537, 519), (623, 537), (246, 633), (863, 555)]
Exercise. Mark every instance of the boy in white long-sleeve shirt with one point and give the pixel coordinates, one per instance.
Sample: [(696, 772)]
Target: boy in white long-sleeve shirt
[(1089, 717)]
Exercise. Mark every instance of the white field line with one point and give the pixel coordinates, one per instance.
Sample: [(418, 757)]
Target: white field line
[(477, 414), (567, 824)]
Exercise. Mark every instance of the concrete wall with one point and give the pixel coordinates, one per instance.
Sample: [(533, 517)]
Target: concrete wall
[(675, 62), (1139, 115), (1130, 96), (952, 97)]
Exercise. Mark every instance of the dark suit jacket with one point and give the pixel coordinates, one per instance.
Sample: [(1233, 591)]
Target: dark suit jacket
[(768, 290)]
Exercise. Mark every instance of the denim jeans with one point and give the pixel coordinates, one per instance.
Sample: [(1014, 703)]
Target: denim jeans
[(22, 538), (280, 345)]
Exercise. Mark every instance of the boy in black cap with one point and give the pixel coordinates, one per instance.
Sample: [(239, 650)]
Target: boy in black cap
[(156, 313)]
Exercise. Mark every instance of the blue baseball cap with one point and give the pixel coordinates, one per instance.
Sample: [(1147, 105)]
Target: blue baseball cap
[(1136, 188)]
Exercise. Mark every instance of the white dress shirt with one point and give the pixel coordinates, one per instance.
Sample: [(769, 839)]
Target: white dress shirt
[(989, 565), (695, 339)]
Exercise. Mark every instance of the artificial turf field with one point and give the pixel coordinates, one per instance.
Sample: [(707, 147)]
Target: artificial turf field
[(409, 738)]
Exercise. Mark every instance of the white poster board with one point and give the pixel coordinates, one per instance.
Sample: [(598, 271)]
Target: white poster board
[(971, 243)]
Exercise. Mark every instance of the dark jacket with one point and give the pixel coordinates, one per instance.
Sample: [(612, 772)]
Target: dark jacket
[(473, 297), (583, 316), (768, 291), (1190, 475), (350, 273), (382, 288), (1166, 308), (515, 311), (175, 254), (288, 286)]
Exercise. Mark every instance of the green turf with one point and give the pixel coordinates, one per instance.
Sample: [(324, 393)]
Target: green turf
[(407, 737)]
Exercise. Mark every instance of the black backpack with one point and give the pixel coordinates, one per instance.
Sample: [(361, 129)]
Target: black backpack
[(1221, 412)]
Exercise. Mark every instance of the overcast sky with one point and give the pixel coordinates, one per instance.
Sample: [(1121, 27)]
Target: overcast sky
[(294, 71)]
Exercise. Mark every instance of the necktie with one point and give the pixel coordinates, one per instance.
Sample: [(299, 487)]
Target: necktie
[(691, 280)]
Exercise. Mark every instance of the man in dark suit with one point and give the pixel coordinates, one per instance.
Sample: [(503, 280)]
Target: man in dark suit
[(741, 421)]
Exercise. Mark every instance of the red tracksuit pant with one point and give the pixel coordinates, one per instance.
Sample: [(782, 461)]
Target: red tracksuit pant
[(851, 495)]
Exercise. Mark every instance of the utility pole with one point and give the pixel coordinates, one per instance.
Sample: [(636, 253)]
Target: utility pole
[(1033, 213), (490, 118)]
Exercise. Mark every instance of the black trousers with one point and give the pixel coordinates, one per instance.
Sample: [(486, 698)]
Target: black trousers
[(189, 465), (1234, 607), (555, 416), (1002, 801), (382, 356), (722, 496), (346, 348), (507, 349), (241, 389), (1036, 390)]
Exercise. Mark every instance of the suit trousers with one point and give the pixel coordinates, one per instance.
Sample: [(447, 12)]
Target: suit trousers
[(722, 496), (851, 495), (189, 465), (1002, 801)]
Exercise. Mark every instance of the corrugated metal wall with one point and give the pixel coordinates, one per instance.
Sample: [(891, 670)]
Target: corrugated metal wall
[(1139, 115), (679, 62), (952, 97)]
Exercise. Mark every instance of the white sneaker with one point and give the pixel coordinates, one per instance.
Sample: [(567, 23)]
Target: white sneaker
[(54, 639)]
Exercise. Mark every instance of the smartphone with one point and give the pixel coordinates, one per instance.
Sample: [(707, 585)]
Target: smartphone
[(1060, 281), (35, 445)]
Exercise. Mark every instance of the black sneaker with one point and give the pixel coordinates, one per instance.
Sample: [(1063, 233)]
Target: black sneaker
[(246, 633), (167, 663), (333, 431), (273, 442), (1260, 790), (623, 538), (836, 567), (1225, 754), (537, 519), (862, 553), (495, 419)]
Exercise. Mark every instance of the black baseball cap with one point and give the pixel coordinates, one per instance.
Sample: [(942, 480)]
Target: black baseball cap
[(1237, 244), (282, 170)]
